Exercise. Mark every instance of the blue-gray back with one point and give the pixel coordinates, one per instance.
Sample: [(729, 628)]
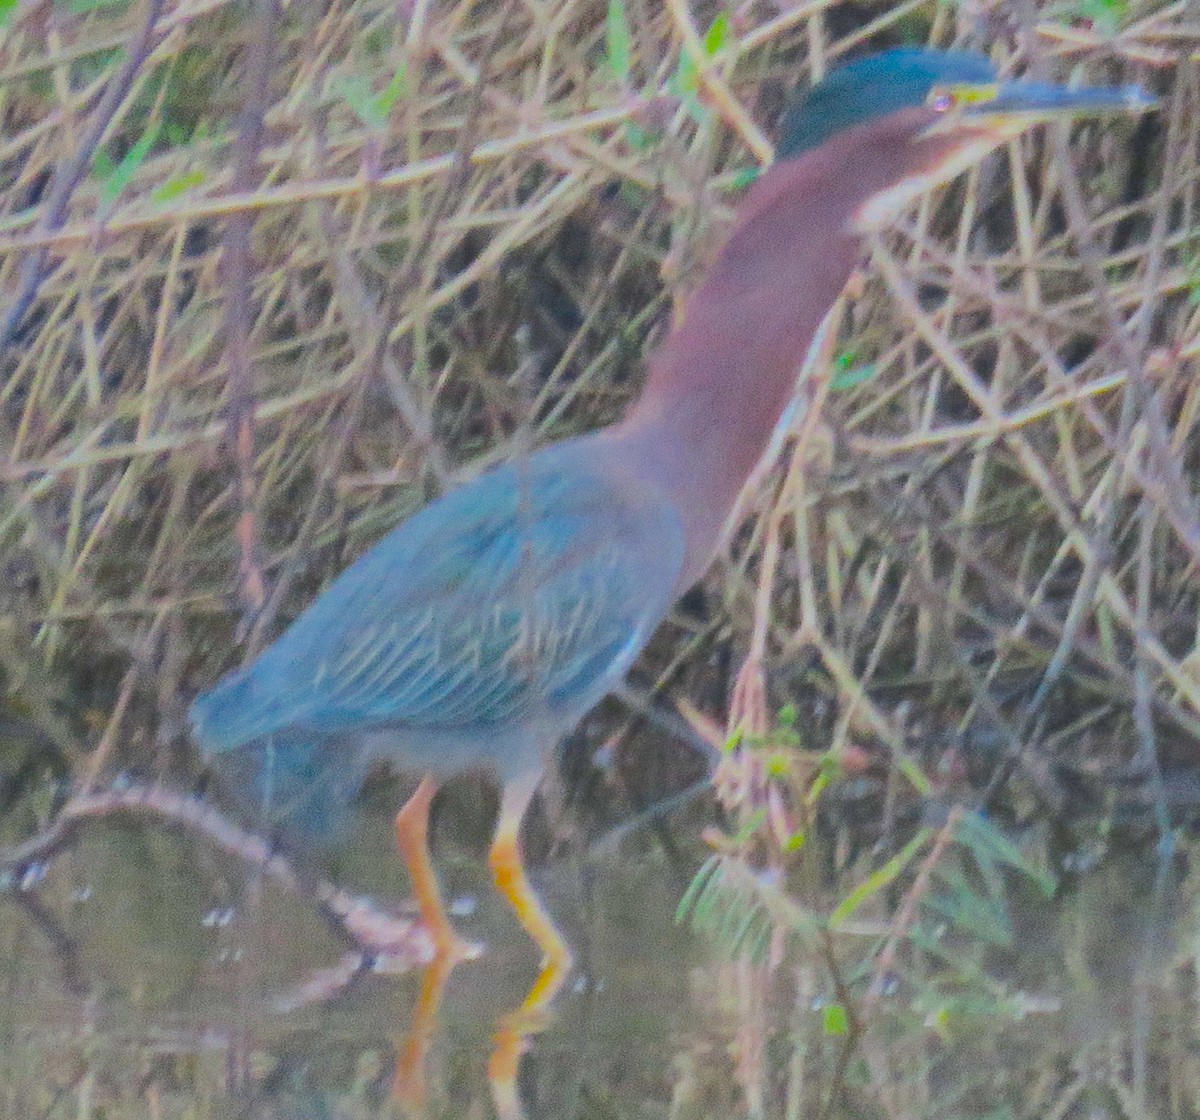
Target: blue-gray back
[(520, 598)]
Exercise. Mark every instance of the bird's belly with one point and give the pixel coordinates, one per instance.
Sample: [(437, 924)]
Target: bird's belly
[(508, 751)]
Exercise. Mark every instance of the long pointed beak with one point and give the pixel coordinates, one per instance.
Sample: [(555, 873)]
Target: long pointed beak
[(1030, 102), (979, 116)]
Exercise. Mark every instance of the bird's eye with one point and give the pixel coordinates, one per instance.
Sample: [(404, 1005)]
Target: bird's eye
[(942, 100)]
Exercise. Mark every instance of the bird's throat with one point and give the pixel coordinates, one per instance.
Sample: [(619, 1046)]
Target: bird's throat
[(718, 387)]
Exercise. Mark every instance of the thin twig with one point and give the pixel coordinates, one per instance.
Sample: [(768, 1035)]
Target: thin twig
[(359, 920), (68, 175), (237, 266)]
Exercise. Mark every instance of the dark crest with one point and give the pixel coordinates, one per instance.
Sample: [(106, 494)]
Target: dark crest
[(872, 87)]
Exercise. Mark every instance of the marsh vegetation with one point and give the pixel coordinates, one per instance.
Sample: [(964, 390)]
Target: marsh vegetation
[(274, 276)]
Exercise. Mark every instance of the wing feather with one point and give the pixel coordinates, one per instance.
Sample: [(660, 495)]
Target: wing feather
[(528, 587)]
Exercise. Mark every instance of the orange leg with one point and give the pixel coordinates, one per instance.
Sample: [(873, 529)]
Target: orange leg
[(408, 1081), (514, 1030), (412, 837)]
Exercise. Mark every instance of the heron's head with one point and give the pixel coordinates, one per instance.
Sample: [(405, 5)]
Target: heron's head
[(952, 104)]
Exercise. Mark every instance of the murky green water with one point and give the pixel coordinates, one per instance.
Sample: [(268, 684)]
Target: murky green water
[(143, 975)]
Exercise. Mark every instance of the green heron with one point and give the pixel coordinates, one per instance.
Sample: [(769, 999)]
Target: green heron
[(483, 628)]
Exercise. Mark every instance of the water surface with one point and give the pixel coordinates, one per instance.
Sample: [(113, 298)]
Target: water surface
[(144, 975)]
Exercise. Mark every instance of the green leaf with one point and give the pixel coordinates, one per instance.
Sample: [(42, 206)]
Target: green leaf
[(742, 178), (796, 841), (834, 1020), (717, 35), (915, 776), (81, 7), (1193, 279), (617, 41), (830, 766), (985, 841), (820, 784), (638, 137), (7, 8), (753, 823), (685, 84), (880, 879), (777, 765), (177, 185), (1106, 16), (102, 165), (739, 910), (114, 180), (855, 375), (370, 107), (969, 912), (747, 931), (356, 91), (697, 888), (686, 78), (393, 91)]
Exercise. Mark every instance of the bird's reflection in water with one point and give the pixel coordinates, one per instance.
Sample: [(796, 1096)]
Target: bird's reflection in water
[(511, 1035), (482, 978)]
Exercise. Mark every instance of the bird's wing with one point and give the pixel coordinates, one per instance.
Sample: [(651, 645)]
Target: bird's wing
[(528, 591)]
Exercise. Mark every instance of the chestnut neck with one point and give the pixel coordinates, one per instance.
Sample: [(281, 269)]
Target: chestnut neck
[(717, 388)]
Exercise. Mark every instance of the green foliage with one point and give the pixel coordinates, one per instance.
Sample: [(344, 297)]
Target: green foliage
[(961, 892), (880, 879), (639, 139), (982, 916), (753, 822), (846, 374), (785, 733), (188, 78), (741, 179), (177, 185), (685, 83), (740, 910), (919, 962), (834, 1019), (718, 34), (1192, 269), (85, 69), (81, 7), (722, 905), (7, 8), (115, 177), (372, 108), (991, 849), (1106, 16), (968, 893), (618, 41), (168, 105), (618, 58)]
